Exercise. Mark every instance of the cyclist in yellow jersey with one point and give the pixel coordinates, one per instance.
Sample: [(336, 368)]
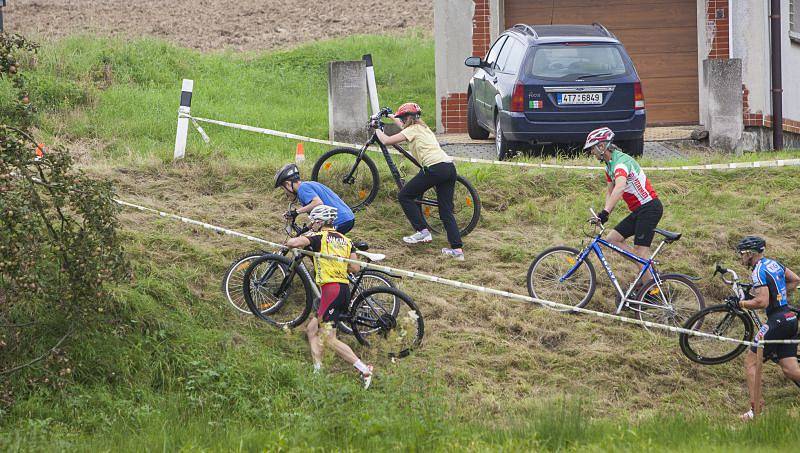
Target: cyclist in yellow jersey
[(334, 286)]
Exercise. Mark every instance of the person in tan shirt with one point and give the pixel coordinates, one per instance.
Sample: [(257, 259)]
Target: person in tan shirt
[(437, 171)]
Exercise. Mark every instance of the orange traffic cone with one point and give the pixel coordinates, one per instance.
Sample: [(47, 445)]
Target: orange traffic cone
[(39, 151), (300, 154)]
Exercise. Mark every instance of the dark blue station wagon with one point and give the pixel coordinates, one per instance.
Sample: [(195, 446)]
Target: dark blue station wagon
[(553, 84)]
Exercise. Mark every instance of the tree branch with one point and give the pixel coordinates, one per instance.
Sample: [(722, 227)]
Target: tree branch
[(11, 326), (41, 357)]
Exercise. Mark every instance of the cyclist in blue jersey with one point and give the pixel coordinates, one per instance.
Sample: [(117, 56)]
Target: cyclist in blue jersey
[(772, 284), (311, 194)]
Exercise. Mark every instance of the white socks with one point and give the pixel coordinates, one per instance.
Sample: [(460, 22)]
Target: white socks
[(362, 367)]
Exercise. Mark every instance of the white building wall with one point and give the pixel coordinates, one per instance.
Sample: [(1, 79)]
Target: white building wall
[(750, 33), (452, 31), (751, 42), (790, 69), (703, 48)]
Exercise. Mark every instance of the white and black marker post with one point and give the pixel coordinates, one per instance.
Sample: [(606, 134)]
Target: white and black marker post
[(372, 89), (2, 4), (183, 120)]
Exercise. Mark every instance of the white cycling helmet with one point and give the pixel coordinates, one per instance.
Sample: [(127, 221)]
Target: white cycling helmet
[(600, 135), (326, 214)]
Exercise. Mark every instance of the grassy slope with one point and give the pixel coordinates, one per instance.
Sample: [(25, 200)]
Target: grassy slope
[(179, 369)]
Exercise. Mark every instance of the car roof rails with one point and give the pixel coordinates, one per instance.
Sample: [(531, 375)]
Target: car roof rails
[(604, 29), (526, 29)]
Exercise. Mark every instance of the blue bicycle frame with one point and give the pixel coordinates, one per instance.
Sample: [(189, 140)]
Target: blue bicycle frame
[(647, 265)]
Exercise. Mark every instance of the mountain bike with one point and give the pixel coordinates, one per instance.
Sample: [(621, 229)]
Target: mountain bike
[(722, 320), (565, 275), (381, 317), (352, 174), (233, 278)]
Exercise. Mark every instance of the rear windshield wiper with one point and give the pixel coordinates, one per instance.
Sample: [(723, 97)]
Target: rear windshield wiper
[(586, 76)]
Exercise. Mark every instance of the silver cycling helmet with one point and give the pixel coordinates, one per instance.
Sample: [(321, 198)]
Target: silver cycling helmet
[(326, 214)]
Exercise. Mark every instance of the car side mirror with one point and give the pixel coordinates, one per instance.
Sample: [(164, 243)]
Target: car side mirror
[(475, 62)]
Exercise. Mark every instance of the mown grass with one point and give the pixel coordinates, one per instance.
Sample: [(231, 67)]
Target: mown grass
[(172, 367), (121, 98)]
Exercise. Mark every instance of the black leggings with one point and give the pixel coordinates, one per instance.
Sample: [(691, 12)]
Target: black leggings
[(442, 176)]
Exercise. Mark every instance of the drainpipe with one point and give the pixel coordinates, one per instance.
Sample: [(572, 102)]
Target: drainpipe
[(777, 90), (2, 4)]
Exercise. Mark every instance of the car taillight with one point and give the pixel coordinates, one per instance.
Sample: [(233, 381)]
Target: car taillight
[(638, 96), (518, 98)]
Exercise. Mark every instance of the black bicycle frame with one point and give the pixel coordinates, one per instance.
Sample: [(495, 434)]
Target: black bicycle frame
[(390, 162)]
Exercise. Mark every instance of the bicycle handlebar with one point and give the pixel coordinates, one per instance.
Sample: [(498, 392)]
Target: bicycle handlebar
[(292, 229), (595, 220), (724, 271)]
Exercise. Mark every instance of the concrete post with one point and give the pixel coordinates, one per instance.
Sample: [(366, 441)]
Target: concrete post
[(347, 101), (723, 80), (183, 122)]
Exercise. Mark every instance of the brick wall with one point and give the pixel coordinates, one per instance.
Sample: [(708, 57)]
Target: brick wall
[(454, 112), (717, 23), (454, 106), (481, 37), (759, 119)]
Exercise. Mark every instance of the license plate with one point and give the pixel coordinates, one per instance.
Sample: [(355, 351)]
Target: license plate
[(579, 98)]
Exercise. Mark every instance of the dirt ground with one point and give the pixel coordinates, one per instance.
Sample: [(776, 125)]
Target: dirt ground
[(214, 25)]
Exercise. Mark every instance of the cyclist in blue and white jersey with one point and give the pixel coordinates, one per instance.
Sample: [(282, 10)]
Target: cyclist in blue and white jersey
[(772, 283)]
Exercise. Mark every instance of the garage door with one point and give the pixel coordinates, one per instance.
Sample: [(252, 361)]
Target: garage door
[(659, 35)]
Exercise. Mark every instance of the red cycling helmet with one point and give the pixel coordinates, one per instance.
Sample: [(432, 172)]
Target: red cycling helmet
[(603, 134), (409, 108)]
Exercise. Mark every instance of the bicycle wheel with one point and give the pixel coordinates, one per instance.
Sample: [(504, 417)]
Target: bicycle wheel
[(357, 190), (369, 280), (716, 320), (374, 326), (678, 296), (233, 278), (546, 271), (274, 294), (466, 208)]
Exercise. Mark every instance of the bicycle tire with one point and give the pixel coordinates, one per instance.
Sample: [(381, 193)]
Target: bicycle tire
[(700, 320), (678, 318), (368, 324), (381, 279), (472, 201), (356, 197), (270, 315), (234, 276), (570, 252)]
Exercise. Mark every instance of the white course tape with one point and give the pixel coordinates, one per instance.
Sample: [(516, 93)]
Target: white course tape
[(474, 160), (452, 283), (275, 133)]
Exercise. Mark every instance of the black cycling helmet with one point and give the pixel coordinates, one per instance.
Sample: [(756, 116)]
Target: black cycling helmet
[(288, 172), (751, 244)]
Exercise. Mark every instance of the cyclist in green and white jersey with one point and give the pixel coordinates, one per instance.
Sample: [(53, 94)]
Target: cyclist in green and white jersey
[(626, 180)]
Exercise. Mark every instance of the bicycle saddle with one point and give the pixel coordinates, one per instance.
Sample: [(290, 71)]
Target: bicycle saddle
[(361, 245), (669, 236), (374, 257)]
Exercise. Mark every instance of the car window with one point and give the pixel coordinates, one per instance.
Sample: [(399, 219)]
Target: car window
[(511, 56), (492, 56), (572, 62)]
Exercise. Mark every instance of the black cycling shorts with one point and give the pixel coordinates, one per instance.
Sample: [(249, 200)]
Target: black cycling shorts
[(334, 301), (641, 223), (780, 326)]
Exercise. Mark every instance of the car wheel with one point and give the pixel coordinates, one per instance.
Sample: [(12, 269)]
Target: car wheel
[(634, 147), (474, 129), (500, 141)]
